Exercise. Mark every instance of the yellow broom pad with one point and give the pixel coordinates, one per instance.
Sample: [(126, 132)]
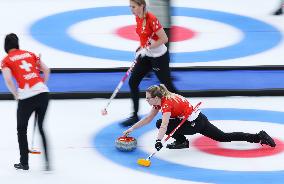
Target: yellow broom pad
[(144, 162)]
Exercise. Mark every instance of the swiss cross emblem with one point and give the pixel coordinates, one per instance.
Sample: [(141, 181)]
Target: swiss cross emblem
[(26, 66)]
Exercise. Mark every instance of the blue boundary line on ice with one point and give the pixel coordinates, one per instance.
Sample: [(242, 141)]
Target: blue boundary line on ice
[(258, 36), (104, 140)]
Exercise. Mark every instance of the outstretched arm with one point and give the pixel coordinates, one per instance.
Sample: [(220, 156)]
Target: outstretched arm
[(164, 126), (144, 121), (162, 130)]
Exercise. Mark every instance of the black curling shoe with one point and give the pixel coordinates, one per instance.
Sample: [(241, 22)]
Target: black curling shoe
[(278, 12), (178, 145), (21, 166), (266, 139), (130, 121)]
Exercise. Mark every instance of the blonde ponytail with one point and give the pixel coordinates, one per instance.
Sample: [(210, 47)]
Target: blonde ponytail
[(140, 3)]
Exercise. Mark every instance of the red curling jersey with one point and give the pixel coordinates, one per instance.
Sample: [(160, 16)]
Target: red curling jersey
[(152, 26), (178, 106), (24, 66)]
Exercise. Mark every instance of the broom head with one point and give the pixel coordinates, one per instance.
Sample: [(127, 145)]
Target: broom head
[(144, 162), (33, 151)]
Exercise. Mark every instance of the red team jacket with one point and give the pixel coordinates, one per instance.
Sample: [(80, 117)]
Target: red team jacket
[(179, 107), (25, 68), (145, 32)]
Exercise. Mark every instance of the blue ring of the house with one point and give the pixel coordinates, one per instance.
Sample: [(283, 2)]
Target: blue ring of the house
[(258, 36), (104, 144)]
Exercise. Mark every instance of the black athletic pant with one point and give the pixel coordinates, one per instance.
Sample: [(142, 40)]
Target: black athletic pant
[(203, 126), (160, 65), (25, 109)]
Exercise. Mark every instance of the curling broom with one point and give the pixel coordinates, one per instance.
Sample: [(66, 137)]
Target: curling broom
[(147, 162)]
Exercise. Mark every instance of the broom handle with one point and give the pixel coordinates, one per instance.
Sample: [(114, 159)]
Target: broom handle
[(184, 119), (35, 120)]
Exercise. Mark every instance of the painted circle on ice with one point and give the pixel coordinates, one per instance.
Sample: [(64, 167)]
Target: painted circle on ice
[(257, 37), (216, 149), (178, 33), (164, 168)]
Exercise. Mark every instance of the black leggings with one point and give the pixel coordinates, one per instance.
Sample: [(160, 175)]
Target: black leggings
[(25, 109), (203, 126), (160, 65)]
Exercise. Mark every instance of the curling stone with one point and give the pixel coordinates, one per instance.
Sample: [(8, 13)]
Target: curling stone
[(125, 143)]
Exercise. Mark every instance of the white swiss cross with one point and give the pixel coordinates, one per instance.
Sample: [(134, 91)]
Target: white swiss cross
[(26, 66)]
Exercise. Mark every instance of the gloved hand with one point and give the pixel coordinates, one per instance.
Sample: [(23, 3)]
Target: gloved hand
[(141, 52), (158, 145)]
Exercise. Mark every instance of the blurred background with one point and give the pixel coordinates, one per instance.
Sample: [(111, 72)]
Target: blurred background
[(227, 53)]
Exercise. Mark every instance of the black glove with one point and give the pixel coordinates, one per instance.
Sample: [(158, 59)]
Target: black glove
[(158, 145)]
